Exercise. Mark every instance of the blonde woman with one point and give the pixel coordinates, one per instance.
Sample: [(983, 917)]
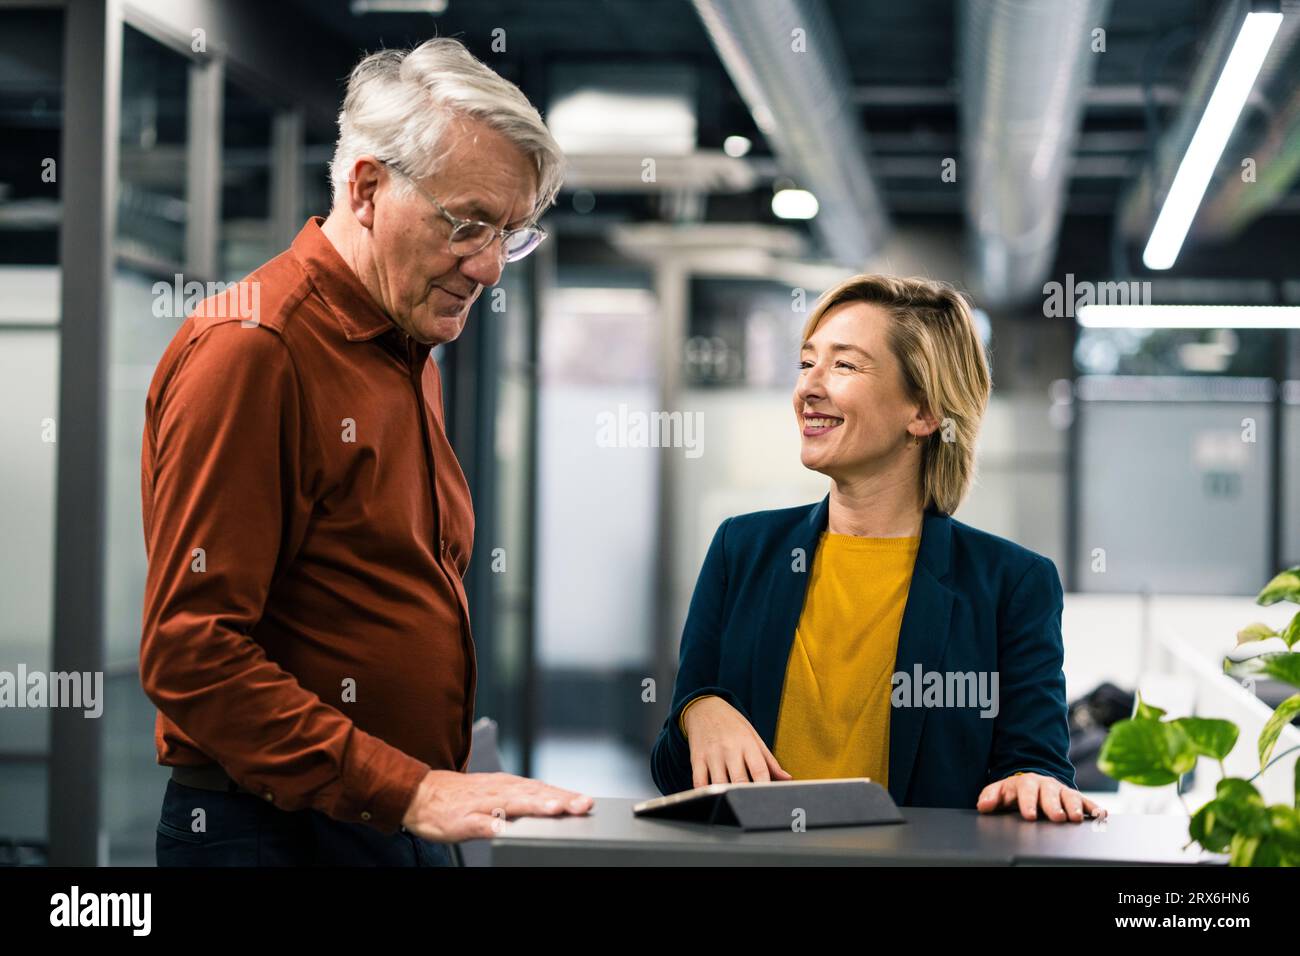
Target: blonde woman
[(871, 634)]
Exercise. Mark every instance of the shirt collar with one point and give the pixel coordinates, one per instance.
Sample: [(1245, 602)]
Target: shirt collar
[(357, 312)]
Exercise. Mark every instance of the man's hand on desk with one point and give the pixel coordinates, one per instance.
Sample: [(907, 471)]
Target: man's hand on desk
[(450, 806), (725, 748), (1030, 791)]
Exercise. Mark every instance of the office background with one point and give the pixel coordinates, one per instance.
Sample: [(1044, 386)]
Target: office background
[(192, 138)]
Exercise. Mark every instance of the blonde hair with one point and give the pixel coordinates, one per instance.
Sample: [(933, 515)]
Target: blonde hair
[(932, 333)]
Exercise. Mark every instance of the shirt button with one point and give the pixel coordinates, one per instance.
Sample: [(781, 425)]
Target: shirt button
[(365, 814), (442, 543), (268, 796)]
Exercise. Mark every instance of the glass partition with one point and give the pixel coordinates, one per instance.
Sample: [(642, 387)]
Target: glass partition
[(31, 120), (246, 239), (597, 509), (151, 208)]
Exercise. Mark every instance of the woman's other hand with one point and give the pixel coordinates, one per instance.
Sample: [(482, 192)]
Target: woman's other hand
[(1030, 791), (725, 748)]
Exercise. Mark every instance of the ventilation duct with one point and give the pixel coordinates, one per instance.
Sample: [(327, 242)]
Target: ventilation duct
[(786, 63), (1025, 70)]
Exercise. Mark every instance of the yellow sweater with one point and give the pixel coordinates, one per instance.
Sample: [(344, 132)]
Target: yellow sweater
[(834, 717)]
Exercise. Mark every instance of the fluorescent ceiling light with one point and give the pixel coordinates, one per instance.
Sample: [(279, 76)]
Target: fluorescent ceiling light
[(1189, 316), (433, 7), (794, 204), (626, 122), (1211, 136)]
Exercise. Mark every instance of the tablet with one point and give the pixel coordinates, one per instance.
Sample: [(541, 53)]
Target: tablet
[(778, 805)]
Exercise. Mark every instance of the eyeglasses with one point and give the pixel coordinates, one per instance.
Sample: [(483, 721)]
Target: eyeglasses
[(471, 236)]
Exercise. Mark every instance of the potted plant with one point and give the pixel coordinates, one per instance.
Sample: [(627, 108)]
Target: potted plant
[(1151, 751)]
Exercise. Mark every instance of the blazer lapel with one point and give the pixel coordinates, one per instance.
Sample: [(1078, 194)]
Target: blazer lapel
[(790, 571), (922, 638)]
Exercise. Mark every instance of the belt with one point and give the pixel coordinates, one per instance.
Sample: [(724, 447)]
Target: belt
[(212, 777), (207, 777)]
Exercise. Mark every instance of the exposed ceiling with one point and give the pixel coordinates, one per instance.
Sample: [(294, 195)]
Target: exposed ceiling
[(901, 56), (903, 66), (903, 61)]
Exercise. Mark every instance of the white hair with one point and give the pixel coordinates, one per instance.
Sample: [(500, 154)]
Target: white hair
[(399, 104)]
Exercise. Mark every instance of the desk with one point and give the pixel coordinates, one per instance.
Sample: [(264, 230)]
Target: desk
[(611, 836)]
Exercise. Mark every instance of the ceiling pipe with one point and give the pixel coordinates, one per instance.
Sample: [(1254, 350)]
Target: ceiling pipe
[(1025, 68), (786, 63)]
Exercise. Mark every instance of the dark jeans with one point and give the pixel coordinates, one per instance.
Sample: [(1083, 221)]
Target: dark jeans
[(241, 830)]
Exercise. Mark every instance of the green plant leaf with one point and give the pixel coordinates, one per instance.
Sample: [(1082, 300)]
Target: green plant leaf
[(1237, 789), (1145, 711), (1282, 665), (1283, 714), (1291, 634), (1240, 808), (1284, 587), (1149, 753), (1255, 632), (1209, 829), (1284, 826), (1242, 849), (1209, 736), (1268, 853)]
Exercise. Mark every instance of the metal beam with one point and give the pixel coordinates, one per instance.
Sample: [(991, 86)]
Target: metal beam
[(203, 168), (88, 168), (286, 177), (672, 289)]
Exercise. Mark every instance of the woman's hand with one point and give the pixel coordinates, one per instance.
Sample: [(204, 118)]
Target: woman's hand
[(725, 748), (1033, 790)]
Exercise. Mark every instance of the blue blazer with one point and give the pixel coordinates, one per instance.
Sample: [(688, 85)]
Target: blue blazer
[(977, 603)]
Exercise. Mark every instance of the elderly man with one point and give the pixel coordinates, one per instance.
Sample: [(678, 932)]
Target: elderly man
[(306, 636)]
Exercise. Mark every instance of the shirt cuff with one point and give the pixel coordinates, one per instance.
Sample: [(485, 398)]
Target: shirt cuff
[(379, 785)]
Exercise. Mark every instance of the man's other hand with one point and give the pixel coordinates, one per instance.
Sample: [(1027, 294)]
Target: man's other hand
[(450, 807)]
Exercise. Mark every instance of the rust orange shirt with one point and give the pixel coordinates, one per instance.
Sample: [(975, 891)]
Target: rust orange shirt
[(308, 528)]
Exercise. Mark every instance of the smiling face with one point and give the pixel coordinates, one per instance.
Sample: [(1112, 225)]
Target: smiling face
[(851, 401), (424, 288)]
